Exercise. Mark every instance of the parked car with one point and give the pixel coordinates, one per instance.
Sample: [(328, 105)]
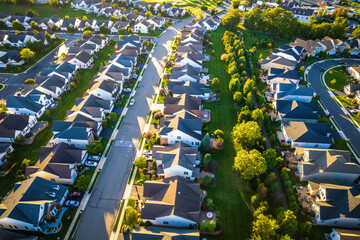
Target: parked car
[(75, 195), (341, 63), (94, 158), (354, 110), (132, 102), (91, 164), (72, 203), (147, 152), (127, 89)]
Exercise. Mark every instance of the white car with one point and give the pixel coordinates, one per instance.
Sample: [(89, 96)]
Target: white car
[(147, 152), (72, 203), (94, 158), (91, 164), (132, 102), (354, 110), (127, 90)]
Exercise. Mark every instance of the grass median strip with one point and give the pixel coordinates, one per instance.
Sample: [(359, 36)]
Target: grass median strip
[(118, 217), (94, 182)]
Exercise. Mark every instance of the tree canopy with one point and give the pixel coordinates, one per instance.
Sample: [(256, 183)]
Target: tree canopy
[(246, 134), (249, 164)]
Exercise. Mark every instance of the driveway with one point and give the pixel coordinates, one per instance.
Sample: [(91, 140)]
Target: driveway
[(99, 215), (347, 127)]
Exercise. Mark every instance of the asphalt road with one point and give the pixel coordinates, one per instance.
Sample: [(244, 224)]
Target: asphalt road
[(99, 215), (347, 127)]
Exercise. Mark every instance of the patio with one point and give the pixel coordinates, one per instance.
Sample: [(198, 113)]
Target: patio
[(39, 126), (205, 115), (208, 216), (304, 198), (291, 160)]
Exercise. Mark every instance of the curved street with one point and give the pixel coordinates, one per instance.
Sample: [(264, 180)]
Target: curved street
[(342, 120)]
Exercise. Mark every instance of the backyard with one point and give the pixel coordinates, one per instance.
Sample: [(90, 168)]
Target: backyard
[(231, 194), (32, 151), (45, 10), (192, 5), (341, 79)]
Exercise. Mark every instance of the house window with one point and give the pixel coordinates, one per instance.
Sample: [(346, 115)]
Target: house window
[(10, 226), (192, 143), (186, 173), (316, 145), (26, 228), (178, 137), (52, 179), (166, 222), (69, 140)]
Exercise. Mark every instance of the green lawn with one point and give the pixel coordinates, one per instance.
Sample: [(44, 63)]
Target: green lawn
[(192, 5), (32, 151), (231, 194), (45, 10), (341, 79)]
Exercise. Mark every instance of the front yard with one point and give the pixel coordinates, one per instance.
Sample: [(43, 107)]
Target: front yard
[(340, 77), (32, 151), (231, 194)]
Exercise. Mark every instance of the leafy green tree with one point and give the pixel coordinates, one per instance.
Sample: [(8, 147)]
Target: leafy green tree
[(215, 82), (235, 4), (356, 33), (3, 109), (234, 84), (131, 216), (271, 182), (246, 134), (25, 163), (257, 115), (206, 160), (27, 54), (264, 227), (82, 182), (285, 237), (232, 19), (29, 81), (249, 86), (16, 25), (206, 142), (112, 116), (287, 222), (333, 82), (305, 228), (206, 180), (211, 226), (202, 226), (31, 13), (141, 162), (238, 97), (19, 140), (249, 101), (270, 157), (249, 164), (148, 14), (302, 68), (95, 148), (244, 115), (219, 133), (86, 33)]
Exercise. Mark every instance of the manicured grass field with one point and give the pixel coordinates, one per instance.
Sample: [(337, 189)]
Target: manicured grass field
[(192, 5), (341, 79), (231, 194), (32, 151), (45, 10)]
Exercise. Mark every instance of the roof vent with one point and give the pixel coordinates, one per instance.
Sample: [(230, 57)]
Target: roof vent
[(52, 194), (57, 187)]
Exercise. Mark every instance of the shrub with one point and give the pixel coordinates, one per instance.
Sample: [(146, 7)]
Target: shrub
[(141, 162)]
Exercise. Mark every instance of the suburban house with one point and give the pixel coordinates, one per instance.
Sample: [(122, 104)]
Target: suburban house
[(284, 75), (58, 163), (275, 61), (335, 205), (10, 57), (55, 85), (94, 113), (32, 205), (5, 149), (296, 111), (182, 49), (71, 23), (81, 60), (194, 89), (185, 73), (290, 53), (183, 103), (351, 89), (106, 23), (354, 71), (327, 166), (136, 17), (105, 89), (307, 135), (160, 233), (52, 21), (76, 134), (143, 26), (312, 47), (119, 25), (34, 105), (12, 126), (173, 202), (354, 45), (177, 12), (95, 101), (292, 92), (158, 22), (97, 40), (344, 234), (184, 127), (302, 13), (178, 159), (193, 59)]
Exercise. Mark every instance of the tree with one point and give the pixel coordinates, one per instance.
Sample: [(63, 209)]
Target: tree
[(16, 25), (148, 14), (95, 148), (249, 164), (202, 226), (238, 97), (249, 86), (234, 84), (356, 33), (141, 162), (153, 165), (235, 4), (211, 226), (333, 82), (257, 115), (82, 182), (232, 19), (302, 68), (25, 163), (270, 157), (31, 13), (246, 134), (112, 116), (271, 183), (131, 216), (249, 101), (287, 222), (219, 133), (54, 3), (29, 81), (3, 109), (19, 140), (206, 142), (158, 115), (86, 33), (27, 54), (264, 227), (215, 82), (305, 228), (123, 18), (206, 160), (206, 180)]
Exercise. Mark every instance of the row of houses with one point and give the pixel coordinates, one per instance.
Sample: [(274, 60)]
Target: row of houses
[(332, 175), (36, 204), (175, 199)]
